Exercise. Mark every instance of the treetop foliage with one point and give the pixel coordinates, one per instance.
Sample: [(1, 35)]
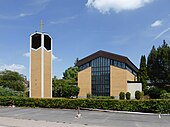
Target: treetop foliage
[(158, 64), (64, 88), (142, 74), (71, 74), (12, 80)]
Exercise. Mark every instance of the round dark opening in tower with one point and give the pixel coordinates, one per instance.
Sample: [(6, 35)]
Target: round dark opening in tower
[(36, 41), (47, 42)]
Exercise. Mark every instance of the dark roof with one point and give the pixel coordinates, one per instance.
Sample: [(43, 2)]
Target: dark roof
[(107, 55)]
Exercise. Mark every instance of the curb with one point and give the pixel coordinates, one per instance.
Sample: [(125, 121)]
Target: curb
[(123, 112), (109, 111)]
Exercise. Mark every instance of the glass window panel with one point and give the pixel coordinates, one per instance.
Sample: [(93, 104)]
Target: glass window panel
[(102, 71)]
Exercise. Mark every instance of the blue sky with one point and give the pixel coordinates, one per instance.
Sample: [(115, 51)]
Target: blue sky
[(80, 28)]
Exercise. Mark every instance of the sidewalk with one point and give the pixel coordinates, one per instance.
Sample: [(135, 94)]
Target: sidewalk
[(12, 122)]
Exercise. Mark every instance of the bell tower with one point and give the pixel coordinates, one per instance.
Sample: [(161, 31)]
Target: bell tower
[(40, 65)]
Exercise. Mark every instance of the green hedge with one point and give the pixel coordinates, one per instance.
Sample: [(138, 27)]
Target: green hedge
[(155, 106)]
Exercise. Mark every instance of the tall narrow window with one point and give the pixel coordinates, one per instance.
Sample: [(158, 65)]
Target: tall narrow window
[(101, 77)]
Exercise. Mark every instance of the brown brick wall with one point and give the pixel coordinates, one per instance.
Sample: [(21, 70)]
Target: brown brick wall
[(47, 74), (36, 73), (130, 76), (84, 82), (118, 80)]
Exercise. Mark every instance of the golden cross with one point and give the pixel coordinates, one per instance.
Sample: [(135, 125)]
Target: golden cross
[(41, 25)]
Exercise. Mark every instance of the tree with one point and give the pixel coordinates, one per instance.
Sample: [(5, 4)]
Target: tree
[(163, 59), (71, 74), (151, 65), (12, 80), (67, 87), (76, 61), (158, 65), (10, 92), (64, 88), (142, 74)]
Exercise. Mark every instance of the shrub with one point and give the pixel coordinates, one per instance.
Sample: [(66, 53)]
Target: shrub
[(88, 95), (137, 94), (112, 97), (103, 97), (154, 106), (122, 96), (128, 95), (154, 93), (10, 92), (165, 96), (163, 91)]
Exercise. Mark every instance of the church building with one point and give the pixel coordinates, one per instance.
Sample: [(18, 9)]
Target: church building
[(107, 74)]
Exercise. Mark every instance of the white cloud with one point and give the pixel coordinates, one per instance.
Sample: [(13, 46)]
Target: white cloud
[(105, 6), (37, 6), (24, 14), (27, 54), (163, 32), (156, 23), (64, 20), (14, 67), (55, 58), (31, 7), (12, 17), (41, 2)]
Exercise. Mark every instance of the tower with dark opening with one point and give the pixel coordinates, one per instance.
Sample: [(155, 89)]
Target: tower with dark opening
[(40, 65)]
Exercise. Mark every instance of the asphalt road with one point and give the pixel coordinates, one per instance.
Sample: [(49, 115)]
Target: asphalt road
[(88, 118)]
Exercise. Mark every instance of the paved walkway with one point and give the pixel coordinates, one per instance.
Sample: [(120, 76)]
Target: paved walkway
[(12, 122), (37, 117)]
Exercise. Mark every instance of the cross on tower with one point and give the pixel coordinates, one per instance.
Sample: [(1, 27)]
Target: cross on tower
[(41, 25)]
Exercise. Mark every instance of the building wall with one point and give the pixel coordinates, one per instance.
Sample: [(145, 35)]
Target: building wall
[(118, 80), (47, 74), (130, 76), (36, 73), (84, 82), (133, 87)]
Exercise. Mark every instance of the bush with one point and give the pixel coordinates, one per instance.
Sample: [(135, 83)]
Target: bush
[(154, 106), (122, 96), (10, 92), (154, 93), (102, 97), (128, 95), (138, 95), (112, 97), (163, 91), (88, 95), (165, 96)]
